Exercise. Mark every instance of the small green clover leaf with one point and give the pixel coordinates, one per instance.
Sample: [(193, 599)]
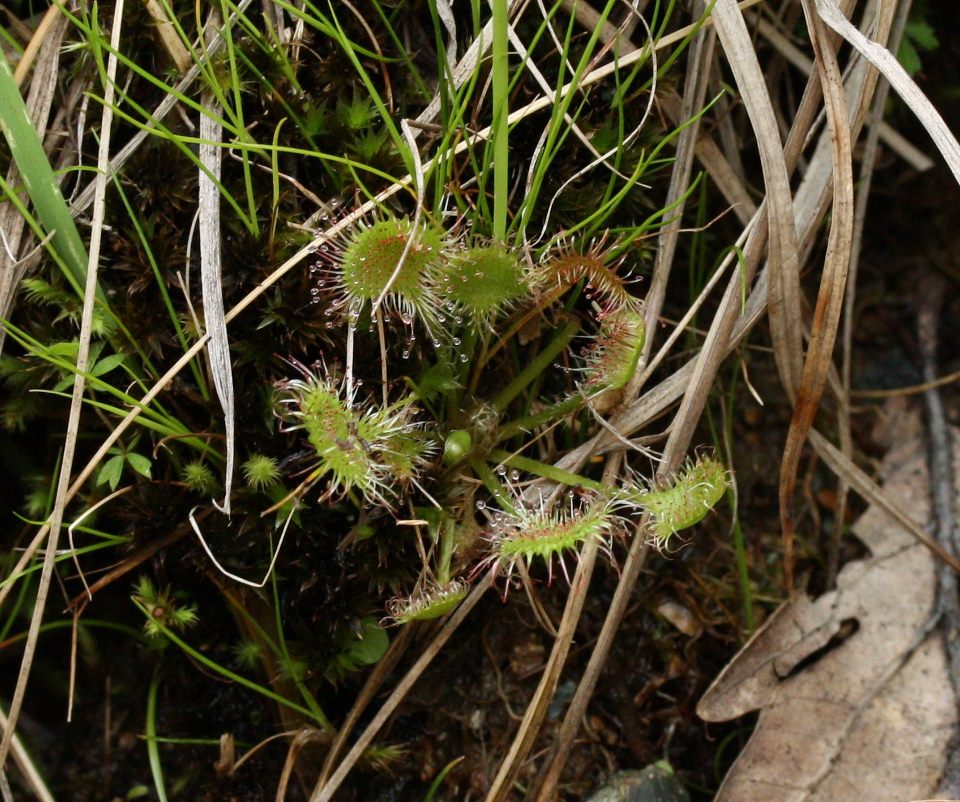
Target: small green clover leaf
[(112, 469), (370, 645)]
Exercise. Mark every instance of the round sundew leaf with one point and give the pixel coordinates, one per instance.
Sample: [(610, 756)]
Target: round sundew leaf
[(372, 255), (403, 453), (568, 267), (546, 535), (484, 280), (687, 499), (430, 603), (613, 357), (326, 419)]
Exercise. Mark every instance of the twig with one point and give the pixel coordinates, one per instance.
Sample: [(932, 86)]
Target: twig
[(929, 300)]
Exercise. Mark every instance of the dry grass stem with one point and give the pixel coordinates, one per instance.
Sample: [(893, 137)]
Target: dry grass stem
[(218, 345), (826, 320)]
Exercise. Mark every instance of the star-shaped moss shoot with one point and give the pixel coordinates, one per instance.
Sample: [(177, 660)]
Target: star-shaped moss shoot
[(368, 269)]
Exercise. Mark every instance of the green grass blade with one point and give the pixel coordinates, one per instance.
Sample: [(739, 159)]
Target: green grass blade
[(153, 748), (501, 111), (40, 182)]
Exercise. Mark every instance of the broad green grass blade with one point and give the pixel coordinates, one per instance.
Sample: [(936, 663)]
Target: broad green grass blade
[(40, 182)]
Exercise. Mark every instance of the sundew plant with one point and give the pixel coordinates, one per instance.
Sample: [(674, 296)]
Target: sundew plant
[(434, 304), (322, 320)]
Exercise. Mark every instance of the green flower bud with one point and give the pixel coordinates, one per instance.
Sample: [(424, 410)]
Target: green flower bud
[(456, 446)]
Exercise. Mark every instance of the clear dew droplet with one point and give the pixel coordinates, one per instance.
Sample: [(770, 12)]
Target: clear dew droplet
[(463, 358), (501, 470), (457, 341), (514, 475), (405, 354), (481, 504)]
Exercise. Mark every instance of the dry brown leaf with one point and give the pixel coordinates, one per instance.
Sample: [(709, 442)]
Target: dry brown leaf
[(854, 696)]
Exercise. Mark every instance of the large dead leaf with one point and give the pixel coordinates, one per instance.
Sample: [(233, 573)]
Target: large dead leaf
[(854, 695)]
